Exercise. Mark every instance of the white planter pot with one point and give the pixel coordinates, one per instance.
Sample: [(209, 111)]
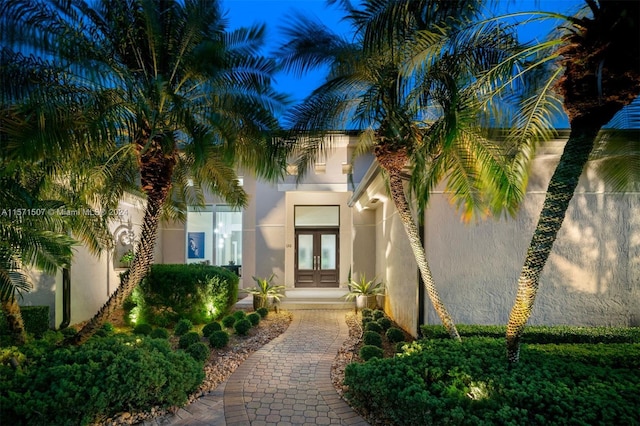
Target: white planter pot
[(365, 301)]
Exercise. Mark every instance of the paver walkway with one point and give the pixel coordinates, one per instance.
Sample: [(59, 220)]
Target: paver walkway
[(286, 382)]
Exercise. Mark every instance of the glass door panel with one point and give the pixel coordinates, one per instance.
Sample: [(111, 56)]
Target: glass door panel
[(328, 251), (305, 251)]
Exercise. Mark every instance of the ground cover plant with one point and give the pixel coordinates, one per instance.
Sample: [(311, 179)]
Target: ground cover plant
[(121, 369), (106, 375), (567, 375)]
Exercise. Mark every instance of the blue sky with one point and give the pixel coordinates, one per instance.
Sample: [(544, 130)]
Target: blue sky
[(274, 13)]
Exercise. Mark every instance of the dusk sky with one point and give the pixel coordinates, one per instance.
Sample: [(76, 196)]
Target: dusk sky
[(275, 12)]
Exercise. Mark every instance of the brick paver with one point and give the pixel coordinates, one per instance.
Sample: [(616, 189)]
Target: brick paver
[(286, 382)]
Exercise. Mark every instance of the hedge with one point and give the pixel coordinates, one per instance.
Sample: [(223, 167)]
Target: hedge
[(444, 382), (105, 376), (35, 318), (200, 293), (542, 334)]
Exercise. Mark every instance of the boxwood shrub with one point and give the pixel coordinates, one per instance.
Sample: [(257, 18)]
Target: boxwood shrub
[(182, 327), (372, 338), (263, 312), (443, 382), (210, 328), (219, 339), (242, 327), (394, 335), (103, 377), (239, 315), (199, 351), (373, 326), (254, 318), (368, 352), (184, 291), (160, 333), (188, 339), (228, 321)]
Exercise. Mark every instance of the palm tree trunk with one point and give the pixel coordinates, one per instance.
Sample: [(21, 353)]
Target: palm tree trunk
[(139, 268), (393, 161), (15, 323), (559, 193), (156, 170), (404, 212)]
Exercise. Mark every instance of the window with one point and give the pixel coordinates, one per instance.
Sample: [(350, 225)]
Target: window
[(214, 235), (316, 216)]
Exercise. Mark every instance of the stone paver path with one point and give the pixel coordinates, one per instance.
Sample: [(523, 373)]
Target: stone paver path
[(286, 382)]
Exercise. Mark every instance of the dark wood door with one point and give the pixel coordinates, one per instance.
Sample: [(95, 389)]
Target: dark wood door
[(317, 255)]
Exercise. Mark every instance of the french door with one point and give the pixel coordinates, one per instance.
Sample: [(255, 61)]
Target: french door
[(317, 255)]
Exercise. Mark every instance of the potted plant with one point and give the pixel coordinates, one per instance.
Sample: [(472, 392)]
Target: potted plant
[(265, 293), (364, 292)]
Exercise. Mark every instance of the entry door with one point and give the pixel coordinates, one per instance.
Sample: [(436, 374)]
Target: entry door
[(317, 258)]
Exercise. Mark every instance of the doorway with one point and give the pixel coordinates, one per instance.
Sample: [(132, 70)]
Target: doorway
[(317, 257)]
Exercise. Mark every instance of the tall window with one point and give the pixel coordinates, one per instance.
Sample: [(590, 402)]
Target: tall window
[(228, 234), (214, 235)]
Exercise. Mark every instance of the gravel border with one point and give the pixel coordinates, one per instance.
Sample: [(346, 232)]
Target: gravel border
[(219, 367)]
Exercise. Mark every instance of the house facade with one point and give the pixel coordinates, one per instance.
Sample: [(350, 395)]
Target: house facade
[(339, 219)]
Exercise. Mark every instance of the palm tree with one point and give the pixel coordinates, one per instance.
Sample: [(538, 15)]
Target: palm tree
[(423, 123), (34, 233), (168, 87), (600, 56)]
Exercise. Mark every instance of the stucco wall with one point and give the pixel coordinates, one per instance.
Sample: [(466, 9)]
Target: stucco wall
[(396, 266), (591, 278), (93, 278)]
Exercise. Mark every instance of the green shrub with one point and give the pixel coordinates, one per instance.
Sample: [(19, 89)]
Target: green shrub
[(239, 315), (182, 327), (199, 351), (263, 312), (188, 339), (219, 339), (367, 312), (94, 381), (69, 331), (373, 326), (542, 334), (242, 327), (368, 352), (372, 338), (159, 333), (400, 347), (185, 291), (443, 382), (395, 335), (254, 318), (143, 329), (106, 329), (228, 321), (35, 318), (210, 328), (377, 314), (384, 322)]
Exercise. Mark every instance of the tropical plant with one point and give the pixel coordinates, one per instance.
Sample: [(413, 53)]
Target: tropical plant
[(264, 291), (162, 85), (424, 124), (595, 72), (364, 287)]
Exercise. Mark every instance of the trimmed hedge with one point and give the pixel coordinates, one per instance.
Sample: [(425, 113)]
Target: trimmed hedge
[(103, 377), (542, 334), (35, 318), (443, 382), (176, 291)]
